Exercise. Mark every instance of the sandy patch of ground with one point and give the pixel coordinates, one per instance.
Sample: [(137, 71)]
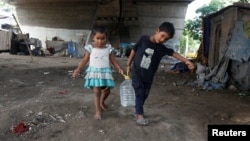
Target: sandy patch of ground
[(42, 94)]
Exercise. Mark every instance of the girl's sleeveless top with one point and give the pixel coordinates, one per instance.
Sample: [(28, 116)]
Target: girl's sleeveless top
[(99, 72)]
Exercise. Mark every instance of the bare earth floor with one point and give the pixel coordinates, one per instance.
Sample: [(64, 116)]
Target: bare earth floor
[(43, 95)]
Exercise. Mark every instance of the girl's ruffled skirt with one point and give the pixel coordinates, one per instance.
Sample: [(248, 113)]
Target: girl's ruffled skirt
[(99, 77)]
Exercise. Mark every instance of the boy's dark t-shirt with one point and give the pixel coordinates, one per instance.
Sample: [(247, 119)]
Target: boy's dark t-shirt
[(147, 58)]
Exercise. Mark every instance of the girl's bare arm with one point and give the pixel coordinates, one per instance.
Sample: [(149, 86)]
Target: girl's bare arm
[(115, 63), (82, 64)]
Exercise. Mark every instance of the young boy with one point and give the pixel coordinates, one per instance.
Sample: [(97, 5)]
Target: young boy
[(146, 56)]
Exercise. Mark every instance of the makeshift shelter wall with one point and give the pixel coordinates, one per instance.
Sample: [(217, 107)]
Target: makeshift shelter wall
[(220, 28), (221, 25), (5, 40)]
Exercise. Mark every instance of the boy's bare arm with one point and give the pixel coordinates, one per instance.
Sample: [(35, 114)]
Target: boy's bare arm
[(130, 59), (183, 59)]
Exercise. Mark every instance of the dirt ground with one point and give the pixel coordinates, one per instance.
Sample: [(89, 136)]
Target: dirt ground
[(55, 107)]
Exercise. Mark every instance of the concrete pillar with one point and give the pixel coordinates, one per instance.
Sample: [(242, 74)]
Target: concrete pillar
[(151, 15)]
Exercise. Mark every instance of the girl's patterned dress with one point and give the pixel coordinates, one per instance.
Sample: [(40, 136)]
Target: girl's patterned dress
[(99, 73)]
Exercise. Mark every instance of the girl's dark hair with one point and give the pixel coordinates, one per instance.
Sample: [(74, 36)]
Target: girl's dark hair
[(167, 27), (100, 29)]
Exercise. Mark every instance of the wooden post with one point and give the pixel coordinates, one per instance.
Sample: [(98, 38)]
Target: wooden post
[(27, 45)]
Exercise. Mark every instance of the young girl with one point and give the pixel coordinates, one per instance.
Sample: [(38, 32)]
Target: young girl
[(98, 74)]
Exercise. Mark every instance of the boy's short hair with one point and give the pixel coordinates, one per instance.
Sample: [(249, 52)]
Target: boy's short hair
[(167, 27)]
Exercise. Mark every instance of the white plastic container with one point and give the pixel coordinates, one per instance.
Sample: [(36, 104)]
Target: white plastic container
[(127, 93)]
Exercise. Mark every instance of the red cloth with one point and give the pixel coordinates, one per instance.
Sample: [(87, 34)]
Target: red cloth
[(20, 128)]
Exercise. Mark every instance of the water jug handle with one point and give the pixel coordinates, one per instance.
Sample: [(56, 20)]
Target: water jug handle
[(126, 76)]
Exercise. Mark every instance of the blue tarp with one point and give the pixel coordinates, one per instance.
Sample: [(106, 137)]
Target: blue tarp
[(180, 67), (72, 49), (124, 45)]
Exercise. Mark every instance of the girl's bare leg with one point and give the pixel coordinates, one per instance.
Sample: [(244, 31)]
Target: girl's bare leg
[(104, 96), (97, 97)]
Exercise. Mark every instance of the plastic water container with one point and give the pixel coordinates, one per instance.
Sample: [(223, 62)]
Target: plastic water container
[(127, 93), (72, 49)]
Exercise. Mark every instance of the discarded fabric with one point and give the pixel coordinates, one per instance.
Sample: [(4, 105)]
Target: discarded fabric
[(20, 128)]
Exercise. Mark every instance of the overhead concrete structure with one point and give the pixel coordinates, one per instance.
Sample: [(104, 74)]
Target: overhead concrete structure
[(126, 19)]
